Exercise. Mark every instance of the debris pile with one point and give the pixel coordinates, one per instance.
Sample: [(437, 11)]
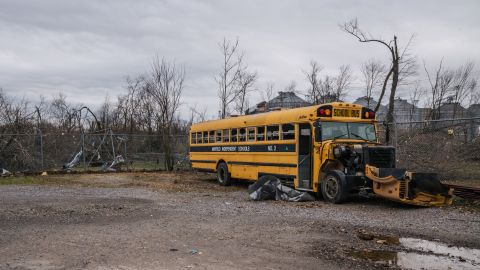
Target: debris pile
[(270, 188)]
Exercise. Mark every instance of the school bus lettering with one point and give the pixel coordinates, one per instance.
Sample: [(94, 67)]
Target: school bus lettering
[(346, 113)]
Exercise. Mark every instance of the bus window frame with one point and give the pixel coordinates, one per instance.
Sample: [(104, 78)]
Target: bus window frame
[(199, 139), (248, 134), (236, 135), (293, 129), (244, 136), (218, 136), (278, 132), (227, 137), (205, 138), (263, 134), (211, 136), (193, 138)]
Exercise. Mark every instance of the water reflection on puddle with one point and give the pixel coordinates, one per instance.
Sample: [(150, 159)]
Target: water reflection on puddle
[(423, 254)]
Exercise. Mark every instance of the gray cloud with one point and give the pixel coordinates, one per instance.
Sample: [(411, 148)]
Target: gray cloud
[(85, 49)]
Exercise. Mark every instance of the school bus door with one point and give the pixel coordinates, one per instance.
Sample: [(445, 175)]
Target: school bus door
[(304, 150)]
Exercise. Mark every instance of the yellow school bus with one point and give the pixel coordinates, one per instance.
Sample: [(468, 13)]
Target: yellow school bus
[(329, 149)]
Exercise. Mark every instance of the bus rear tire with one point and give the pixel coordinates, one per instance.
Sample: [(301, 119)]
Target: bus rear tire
[(335, 187), (223, 176)]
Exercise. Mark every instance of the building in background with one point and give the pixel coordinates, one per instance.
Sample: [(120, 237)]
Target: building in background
[(286, 100)]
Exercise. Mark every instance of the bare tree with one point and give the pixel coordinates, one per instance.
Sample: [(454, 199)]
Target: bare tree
[(475, 94), (343, 81), (129, 106), (105, 113), (197, 115), (463, 85), (327, 86), (291, 87), (414, 98), (396, 57), (63, 114), (313, 92), (439, 87), (227, 79), (268, 92), (245, 83), (165, 88), (452, 85), (372, 72)]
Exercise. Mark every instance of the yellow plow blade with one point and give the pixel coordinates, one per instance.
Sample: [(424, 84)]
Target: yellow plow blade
[(423, 189)]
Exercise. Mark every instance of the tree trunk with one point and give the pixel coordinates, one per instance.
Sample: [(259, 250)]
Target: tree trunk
[(383, 90), (391, 104)]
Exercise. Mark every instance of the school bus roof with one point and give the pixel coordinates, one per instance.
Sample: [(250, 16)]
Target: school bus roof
[(267, 118)]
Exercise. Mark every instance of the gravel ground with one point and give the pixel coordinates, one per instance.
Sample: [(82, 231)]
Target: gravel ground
[(150, 225)]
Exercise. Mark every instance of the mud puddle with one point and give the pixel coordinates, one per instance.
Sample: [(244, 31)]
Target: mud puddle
[(423, 254)]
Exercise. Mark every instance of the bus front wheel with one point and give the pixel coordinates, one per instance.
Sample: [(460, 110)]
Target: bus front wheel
[(334, 187), (223, 176)]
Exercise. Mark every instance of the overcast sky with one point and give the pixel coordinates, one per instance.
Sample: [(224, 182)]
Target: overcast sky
[(85, 49)]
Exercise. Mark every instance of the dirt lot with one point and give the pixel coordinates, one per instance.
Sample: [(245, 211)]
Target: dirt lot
[(185, 221)]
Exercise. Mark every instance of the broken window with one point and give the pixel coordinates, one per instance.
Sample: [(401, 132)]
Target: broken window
[(273, 133), (260, 134), (288, 132), (242, 135)]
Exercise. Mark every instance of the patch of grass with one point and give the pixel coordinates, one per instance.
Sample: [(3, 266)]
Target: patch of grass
[(34, 180)]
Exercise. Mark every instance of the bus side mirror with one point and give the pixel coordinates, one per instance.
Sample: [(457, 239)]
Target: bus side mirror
[(318, 131)]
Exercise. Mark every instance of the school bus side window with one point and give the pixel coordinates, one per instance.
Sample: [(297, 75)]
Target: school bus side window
[(273, 133), (242, 135), (205, 137), (288, 132), (199, 137), (212, 136), (226, 135), (218, 136), (260, 134), (251, 134), (233, 135)]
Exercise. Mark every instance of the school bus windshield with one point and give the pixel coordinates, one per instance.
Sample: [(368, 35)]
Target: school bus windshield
[(345, 130)]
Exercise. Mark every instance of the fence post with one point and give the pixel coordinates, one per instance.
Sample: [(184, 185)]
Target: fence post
[(395, 130), (83, 151), (125, 151), (41, 147)]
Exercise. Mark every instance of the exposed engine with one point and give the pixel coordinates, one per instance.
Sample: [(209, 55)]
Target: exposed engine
[(373, 167), (354, 157)]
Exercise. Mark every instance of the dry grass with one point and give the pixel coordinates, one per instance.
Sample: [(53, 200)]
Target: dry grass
[(171, 182)]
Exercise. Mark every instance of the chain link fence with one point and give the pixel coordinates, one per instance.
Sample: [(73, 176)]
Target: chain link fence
[(449, 147), (39, 151)]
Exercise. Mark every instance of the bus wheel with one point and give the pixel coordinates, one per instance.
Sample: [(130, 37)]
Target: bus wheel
[(334, 187), (223, 176)]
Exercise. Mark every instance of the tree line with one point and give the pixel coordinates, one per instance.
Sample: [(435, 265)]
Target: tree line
[(152, 100)]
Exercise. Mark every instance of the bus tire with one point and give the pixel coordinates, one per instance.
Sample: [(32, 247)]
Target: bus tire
[(334, 187), (223, 176)]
